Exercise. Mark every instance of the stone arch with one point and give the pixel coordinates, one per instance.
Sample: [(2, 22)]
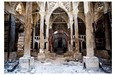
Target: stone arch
[(81, 11), (101, 29), (57, 17), (82, 17), (59, 26), (64, 36), (36, 18), (36, 6), (61, 6), (98, 16), (103, 10), (61, 31), (65, 16), (55, 7), (35, 15)]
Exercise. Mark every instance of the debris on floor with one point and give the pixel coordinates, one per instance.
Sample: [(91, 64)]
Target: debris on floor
[(59, 65)]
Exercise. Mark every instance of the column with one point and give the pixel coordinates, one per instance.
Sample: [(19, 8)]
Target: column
[(107, 27), (89, 33), (26, 62), (71, 31), (42, 14), (81, 46), (76, 32), (12, 51), (69, 38), (33, 37), (107, 32), (41, 32), (75, 15), (77, 52), (47, 34), (28, 26), (90, 61), (47, 26)]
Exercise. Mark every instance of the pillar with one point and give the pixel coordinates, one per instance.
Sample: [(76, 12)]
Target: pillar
[(90, 61), (76, 32), (47, 34), (81, 45), (26, 62), (42, 14), (71, 31), (69, 38), (75, 15), (47, 25), (12, 51), (41, 32), (28, 29), (107, 32), (107, 27), (33, 37)]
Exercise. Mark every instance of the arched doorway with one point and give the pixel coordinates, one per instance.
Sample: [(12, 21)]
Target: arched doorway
[(59, 43), (59, 31), (103, 32)]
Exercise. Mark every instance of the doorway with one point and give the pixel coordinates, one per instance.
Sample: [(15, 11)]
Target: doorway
[(59, 43)]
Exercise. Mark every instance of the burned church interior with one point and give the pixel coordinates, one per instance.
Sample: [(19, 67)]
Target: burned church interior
[(38, 32)]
